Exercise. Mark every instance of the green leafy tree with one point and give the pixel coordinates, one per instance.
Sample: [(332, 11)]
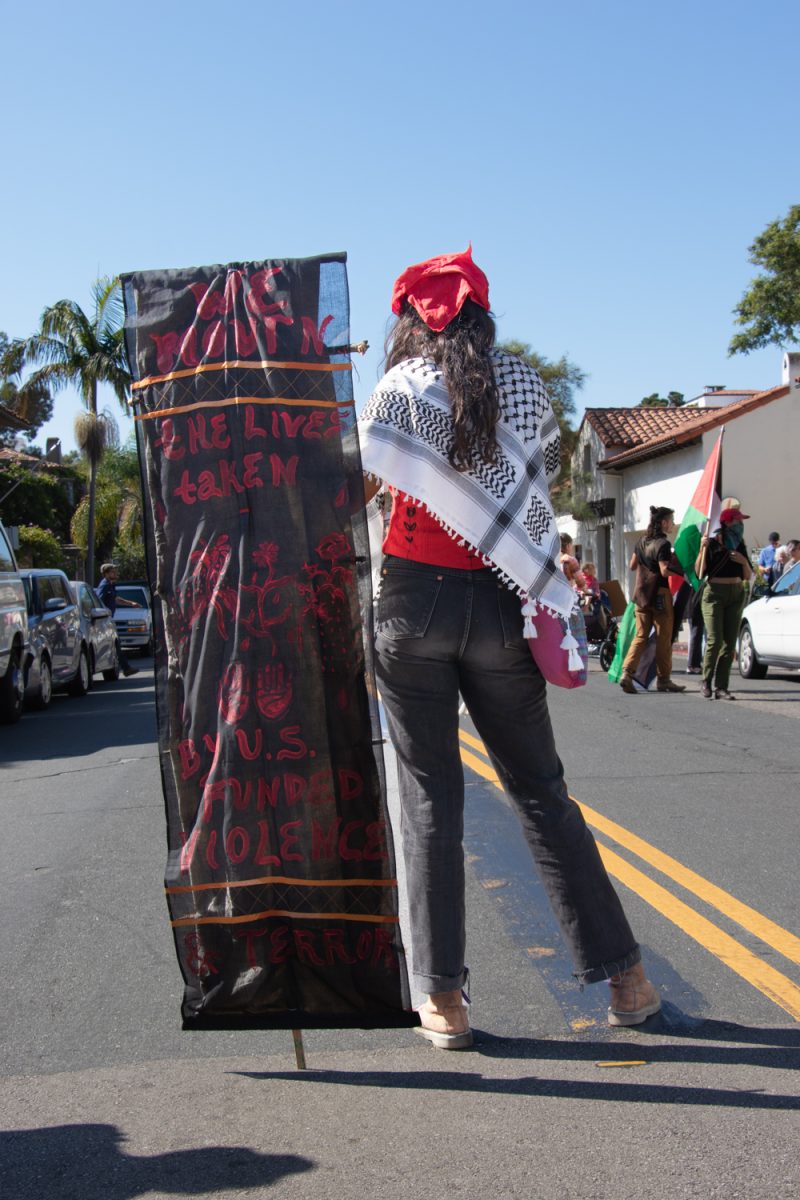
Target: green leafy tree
[(118, 510), (671, 400), (28, 399), (769, 311), (562, 379), (73, 349), (44, 496), (39, 548)]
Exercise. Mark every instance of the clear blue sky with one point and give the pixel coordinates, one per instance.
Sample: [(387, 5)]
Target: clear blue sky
[(610, 163)]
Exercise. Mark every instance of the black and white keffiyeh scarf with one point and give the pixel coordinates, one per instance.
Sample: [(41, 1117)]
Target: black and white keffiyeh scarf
[(501, 510)]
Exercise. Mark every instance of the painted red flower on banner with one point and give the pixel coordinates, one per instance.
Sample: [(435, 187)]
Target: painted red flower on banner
[(333, 547), (325, 596), (265, 605), (266, 555), (206, 588)]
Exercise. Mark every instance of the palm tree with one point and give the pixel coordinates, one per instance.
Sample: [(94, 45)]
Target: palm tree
[(119, 514), (31, 404), (72, 349)]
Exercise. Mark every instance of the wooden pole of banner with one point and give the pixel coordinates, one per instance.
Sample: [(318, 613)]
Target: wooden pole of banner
[(299, 1050), (704, 554)]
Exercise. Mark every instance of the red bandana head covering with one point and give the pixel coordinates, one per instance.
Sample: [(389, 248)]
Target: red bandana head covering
[(729, 515), (438, 287)]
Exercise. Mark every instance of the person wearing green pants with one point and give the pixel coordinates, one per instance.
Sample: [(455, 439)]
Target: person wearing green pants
[(724, 561)]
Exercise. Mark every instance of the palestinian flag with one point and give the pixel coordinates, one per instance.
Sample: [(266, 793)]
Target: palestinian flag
[(701, 514)]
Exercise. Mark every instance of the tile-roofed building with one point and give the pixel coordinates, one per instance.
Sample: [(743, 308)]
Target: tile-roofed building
[(627, 459), (11, 420), (624, 428), (684, 432)]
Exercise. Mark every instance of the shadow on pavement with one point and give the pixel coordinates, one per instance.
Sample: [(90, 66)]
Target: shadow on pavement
[(771, 1048), (110, 715), (778, 1049), (531, 1085), (85, 1162)]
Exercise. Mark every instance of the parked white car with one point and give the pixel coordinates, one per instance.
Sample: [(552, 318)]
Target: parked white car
[(135, 625), (769, 635)]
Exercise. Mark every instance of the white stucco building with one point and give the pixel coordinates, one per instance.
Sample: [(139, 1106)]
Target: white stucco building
[(627, 459)]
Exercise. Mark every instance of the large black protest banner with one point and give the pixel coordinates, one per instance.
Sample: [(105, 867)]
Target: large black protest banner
[(280, 873)]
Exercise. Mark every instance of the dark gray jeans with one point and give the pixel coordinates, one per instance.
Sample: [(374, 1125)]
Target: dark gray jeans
[(439, 632)]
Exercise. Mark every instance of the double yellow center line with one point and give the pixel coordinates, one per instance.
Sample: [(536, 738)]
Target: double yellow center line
[(779, 988)]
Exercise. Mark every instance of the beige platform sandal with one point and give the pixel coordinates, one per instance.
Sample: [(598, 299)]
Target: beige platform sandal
[(444, 1021)]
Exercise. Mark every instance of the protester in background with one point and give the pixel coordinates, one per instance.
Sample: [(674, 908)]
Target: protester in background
[(697, 626), (569, 563), (766, 558), (107, 595), (779, 563), (651, 560), (449, 408), (724, 563), (793, 549), (591, 584), (591, 597)]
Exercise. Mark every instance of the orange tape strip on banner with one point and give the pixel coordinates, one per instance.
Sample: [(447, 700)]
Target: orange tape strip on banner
[(237, 364), (236, 400), (204, 887), (282, 912)]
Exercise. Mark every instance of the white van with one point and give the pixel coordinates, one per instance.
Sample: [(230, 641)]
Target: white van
[(13, 634)]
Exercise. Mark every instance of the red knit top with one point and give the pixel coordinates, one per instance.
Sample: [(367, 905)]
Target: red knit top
[(413, 533)]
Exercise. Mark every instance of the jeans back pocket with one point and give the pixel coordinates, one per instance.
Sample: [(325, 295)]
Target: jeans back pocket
[(406, 604), (511, 620)]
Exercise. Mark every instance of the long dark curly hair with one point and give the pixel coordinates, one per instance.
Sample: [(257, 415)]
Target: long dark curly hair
[(461, 350)]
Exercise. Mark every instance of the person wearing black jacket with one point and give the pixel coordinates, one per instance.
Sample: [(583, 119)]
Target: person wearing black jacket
[(724, 563), (653, 562)]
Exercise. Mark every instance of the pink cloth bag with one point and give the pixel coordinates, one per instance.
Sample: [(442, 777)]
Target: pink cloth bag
[(558, 645)]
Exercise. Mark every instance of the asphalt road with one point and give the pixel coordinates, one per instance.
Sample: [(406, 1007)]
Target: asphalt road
[(695, 807)]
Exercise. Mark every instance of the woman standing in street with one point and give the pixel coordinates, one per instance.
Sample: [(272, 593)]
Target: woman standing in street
[(466, 439), (651, 560), (724, 563)]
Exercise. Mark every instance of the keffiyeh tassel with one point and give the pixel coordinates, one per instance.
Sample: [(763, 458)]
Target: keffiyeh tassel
[(529, 610), (575, 662)]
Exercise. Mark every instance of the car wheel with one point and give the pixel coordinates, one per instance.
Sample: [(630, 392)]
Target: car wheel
[(111, 673), (12, 690), (45, 693), (749, 666), (82, 680)]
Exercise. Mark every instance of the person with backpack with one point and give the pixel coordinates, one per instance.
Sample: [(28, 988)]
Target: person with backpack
[(653, 562)]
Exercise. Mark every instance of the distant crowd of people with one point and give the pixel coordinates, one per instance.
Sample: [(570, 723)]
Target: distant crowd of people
[(775, 557), (713, 611)]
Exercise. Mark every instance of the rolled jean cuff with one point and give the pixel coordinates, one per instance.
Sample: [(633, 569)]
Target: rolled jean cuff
[(440, 983), (608, 969)]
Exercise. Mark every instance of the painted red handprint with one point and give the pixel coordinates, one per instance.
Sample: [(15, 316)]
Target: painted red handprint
[(274, 690), (234, 693)]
